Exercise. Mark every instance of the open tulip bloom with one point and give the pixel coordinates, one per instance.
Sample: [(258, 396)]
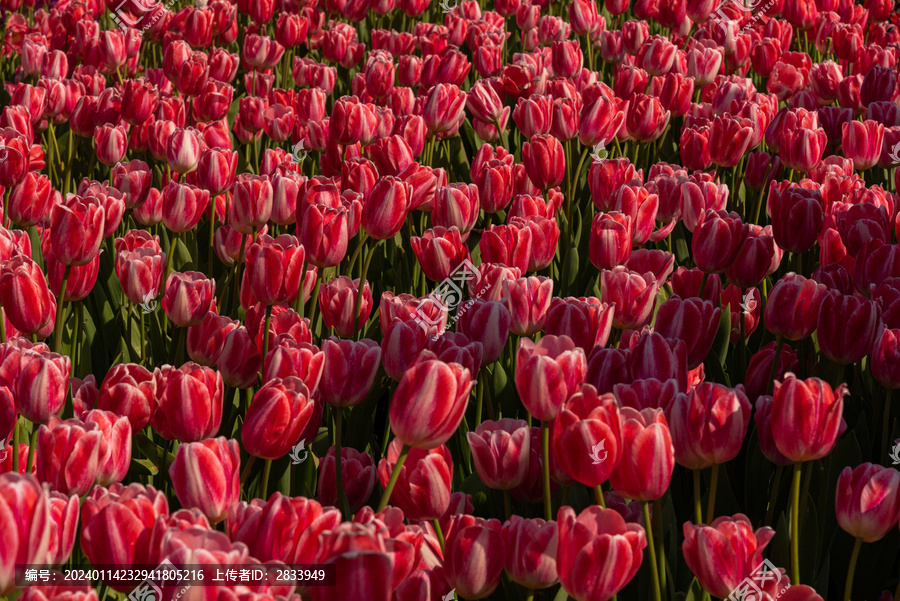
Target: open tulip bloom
[(434, 299)]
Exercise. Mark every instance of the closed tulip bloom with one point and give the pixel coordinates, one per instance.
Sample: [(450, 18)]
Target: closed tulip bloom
[(444, 109), (41, 384), (599, 121), (439, 251), (27, 525), (692, 320), (252, 205), (533, 115), (277, 415), (129, 390), (509, 245), (429, 403), (611, 240), (110, 143), (188, 402), (585, 421), (528, 300), (729, 139), (423, 488), (548, 373), (645, 118), (487, 322), (183, 150), (349, 371), (216, 170), (531, 548), (798, 215), (648, 456), (456, 205), (27, 301), (501, 451), (205, 340), (717, 241), (598, 552), (386, 208), (68, 455), (545, 161), (758, 257), (182, 206), (76, 230), (474, 558), (792, 309), (862, 142), (205, 475), (358, 475), (586, 321), (188, 297), (802, 149), (806, 417), (847, 327), (275, 269), (608, 175), (30, 201), (64, 518), (115, 446), (633, 294), (885, 358), (566, 58), (763, 418), (708, 424), (867, 501), (241, 360), (324, 234), (338, 301), (139, 270), (724, 553)]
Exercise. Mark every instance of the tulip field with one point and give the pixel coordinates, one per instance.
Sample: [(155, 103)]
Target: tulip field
[(423, 300)]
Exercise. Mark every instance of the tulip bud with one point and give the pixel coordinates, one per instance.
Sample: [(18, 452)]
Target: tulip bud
[(205, 475)]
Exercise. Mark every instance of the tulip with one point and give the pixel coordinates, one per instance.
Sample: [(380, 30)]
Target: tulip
[(26, 299), (548, 373), (648, 455), (634, 296), (474, 558), (586, 436), (847, 327), (30, 201), (528, 301), (729, 139), (357, 472), (274, 269), (802, 149), (797, 216), (188, 402), (41, 384), (68, 455), (216, 170), (706, 547), (708, 425), (115, 446), (183, 150), (694, 321), (444, 109), (282, 528), (598, 553), (611, 240), (586, 321), (885, 357), (544, 159), (64, 517), (509, 245), (500, 452), (792, 309), (645, 118), (187, 297), (278, 413), (806, 417), (252, 203), (440, 252), (531, 548), (182, 206), (349, 371), (128, 390), (110, 144), (76, 230), (717, 241), (205, 475), (456, 205), (27, 525), (487, 322), (424, 477), (862, 142), (867, 501), (339, 301), (386, 208)]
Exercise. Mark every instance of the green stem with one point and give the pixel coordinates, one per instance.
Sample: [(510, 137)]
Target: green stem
[(265, 340), (33, 443), (386, 496), (773, 497), (438, 532), (246, 471), (236, 281), (598, 496), (265, 480), (343, 503), (545, 466), (651, 548), (711, 503), (15, 446), (479, 400), (778, 346), (848, 587), (795, 524), (60, 312), (698, 512), (362, 286)]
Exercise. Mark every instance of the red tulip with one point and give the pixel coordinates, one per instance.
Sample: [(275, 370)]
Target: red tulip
[(528, 300), (510, 245), (110, 143), (645, 118), (861, 142), (64, 517), (806, 417), (424, 482), (182, 206), (792, 309), (187, 297), (598, 553), (440, 252), (274, 269), (114, 458), (68, 455), (487, 322), (188, 402), (531, 549), (585, 421), (648, 456), (386, 208), (349, 371), (129, 390), (429, 403), (867, 501), (277, 416), (358, 475), (544, 159), (76, 230), (501, 452), (548, 373), (633, 294), (708, 425), (694, 321), (27, 525), (586, 321), (724, 553), (205, 475), (338, 300), (30, 201), (27, 301), (847, 327), (41, 384), (456, 205)]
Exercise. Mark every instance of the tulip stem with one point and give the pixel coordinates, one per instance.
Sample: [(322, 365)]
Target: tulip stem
[(885, 425), (386, 496), (438, 532), (713, 485), (60, 312), (362, 286), (795, 524), (343, 504), (651, 548), (246, 472), (598, 495), (264, 483), (479, 400), (698, 511), (15, 446), (774, 369), (143, 339), (33, 441), (236, 281), (852, 569), (773, 497), (545, 465), (265, 340)]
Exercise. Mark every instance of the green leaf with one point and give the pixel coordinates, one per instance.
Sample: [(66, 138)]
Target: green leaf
[(695, 593)]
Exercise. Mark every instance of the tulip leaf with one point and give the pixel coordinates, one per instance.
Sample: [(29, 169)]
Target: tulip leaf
[(573, 267), (694, 593), (723, 337), (562, 595)]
